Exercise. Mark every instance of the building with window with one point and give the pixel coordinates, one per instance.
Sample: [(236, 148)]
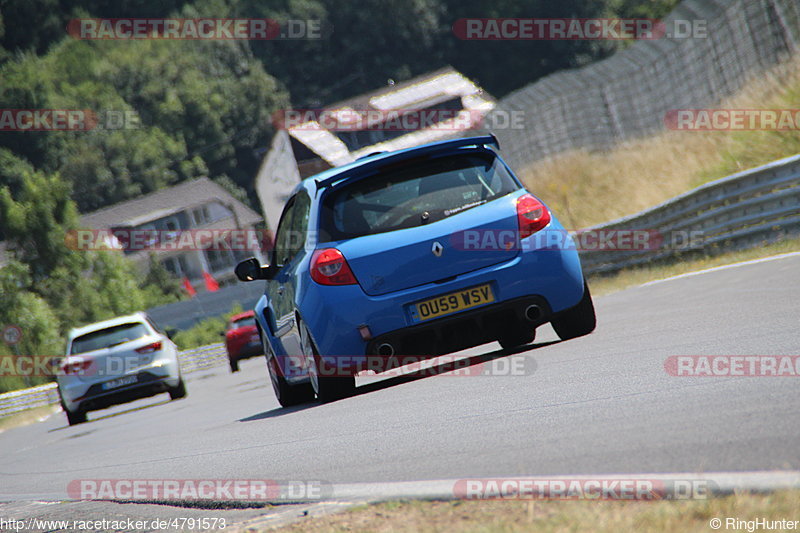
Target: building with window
[(189, 228)]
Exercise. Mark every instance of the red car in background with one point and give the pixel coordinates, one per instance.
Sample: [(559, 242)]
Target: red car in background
[(241, 338)]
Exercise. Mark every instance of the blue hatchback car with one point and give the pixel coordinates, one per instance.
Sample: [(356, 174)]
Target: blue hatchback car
[(413, 253)]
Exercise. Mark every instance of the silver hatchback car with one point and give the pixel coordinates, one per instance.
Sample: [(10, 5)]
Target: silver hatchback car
[(117, 361)]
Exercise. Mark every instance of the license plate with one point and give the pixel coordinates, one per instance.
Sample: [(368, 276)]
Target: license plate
[(452, 303), (121, 382)]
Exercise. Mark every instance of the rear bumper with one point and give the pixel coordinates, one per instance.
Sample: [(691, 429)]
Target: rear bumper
[(550, 277), (245, 351), (159, 376), (464, 330), (147, 385)]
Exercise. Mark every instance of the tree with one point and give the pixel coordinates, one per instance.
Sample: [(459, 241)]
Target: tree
[(32, 315), (160, 285), (202, 108), (35, 224), (79, 286), (28, 311), (655, 9)]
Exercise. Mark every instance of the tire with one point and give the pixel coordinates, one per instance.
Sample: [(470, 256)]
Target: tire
[(288, 395), (75, 417), (179, 391), (516, 339), (327, 388), (234, 365), (578, 321)]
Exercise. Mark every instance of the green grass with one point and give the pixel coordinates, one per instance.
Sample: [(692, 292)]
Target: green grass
[(29, 416), (205, 332), (554, 516), (586, 188), (632, 277)]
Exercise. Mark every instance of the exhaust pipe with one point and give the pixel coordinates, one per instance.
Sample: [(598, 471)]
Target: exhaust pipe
[(533, 313), (386, 349)]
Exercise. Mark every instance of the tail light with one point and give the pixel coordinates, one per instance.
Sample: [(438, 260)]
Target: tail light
[(150, 348), (329, 267), (532, 215), (240, 332), (75, 366)]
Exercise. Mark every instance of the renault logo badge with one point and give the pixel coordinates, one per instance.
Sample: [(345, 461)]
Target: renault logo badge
[(437, 249)]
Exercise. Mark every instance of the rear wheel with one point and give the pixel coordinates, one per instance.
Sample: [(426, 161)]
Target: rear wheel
[(287, 395), (179, 391), (517, 338), (578, 321), (75, 417), (328, 388)]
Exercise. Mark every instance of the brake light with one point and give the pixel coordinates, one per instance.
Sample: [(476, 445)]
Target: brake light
[(75, 366), (329, 267), (532, 215), (150, 348)]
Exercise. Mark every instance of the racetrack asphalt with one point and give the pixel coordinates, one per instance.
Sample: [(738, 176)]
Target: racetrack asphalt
[(601, 404)]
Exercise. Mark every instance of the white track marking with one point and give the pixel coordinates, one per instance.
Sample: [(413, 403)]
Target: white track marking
[(723, 267)]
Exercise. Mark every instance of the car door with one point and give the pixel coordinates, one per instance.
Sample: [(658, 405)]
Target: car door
[(289, 245)]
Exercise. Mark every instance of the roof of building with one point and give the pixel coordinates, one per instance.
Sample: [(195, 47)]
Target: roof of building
[(417, 93), (165, 202)]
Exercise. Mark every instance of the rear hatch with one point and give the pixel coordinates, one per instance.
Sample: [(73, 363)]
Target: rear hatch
[(405, 258), (426, 222), (113, 352), (110, 363)]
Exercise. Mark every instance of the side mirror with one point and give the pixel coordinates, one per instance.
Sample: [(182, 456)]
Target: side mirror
[(251, 269)]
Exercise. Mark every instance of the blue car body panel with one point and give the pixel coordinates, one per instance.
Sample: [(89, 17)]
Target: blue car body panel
[(544, 267)]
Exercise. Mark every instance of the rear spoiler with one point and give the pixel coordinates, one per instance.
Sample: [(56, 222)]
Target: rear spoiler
[(482, 141)]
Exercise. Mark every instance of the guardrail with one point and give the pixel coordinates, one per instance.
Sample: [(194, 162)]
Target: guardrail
[(193, 360), (20, 400), (739, 211), (203, 358)]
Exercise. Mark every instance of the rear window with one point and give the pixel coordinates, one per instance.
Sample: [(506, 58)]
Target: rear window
[(243, 322), (104, 338), (414, 195)]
